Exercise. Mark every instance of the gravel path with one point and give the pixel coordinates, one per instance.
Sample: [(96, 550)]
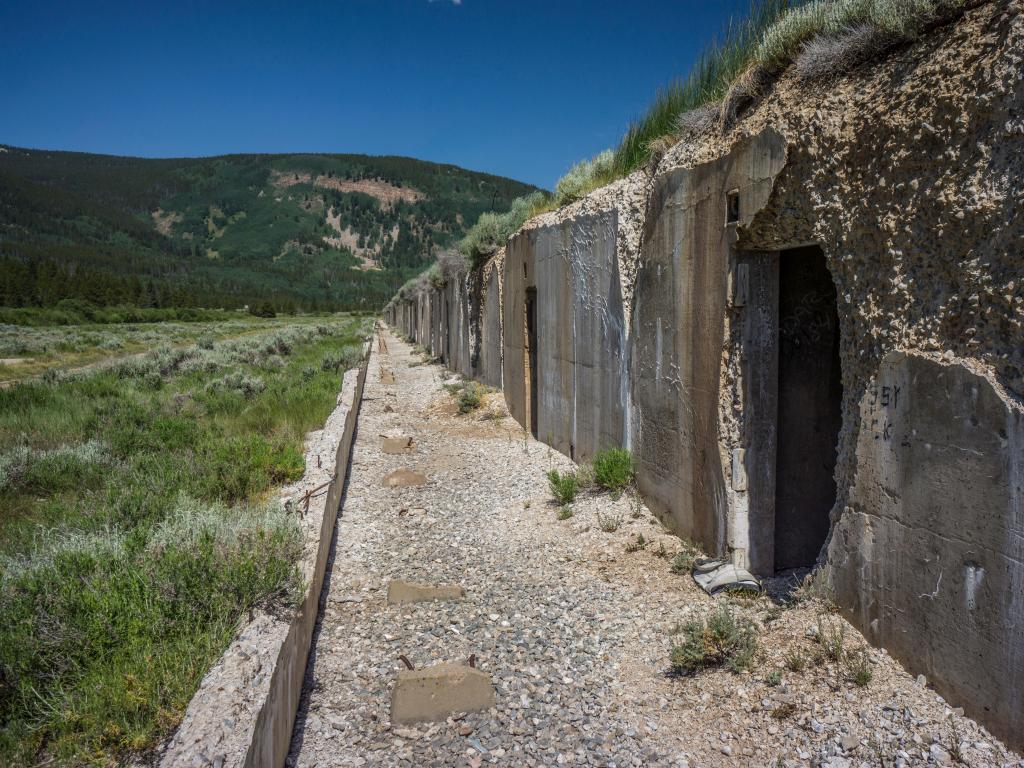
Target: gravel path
[(574, 630)]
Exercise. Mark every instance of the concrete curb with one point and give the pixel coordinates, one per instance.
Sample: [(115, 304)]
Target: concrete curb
[(266, 664)]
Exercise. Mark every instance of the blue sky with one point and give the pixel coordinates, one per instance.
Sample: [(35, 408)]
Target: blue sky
[(521, 89)]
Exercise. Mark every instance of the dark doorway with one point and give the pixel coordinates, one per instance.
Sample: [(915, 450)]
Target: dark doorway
[(531, 355), (446, 346), (810, 406)]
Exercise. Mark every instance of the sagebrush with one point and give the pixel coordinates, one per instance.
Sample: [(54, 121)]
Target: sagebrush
[(721, 639), (135, 533)]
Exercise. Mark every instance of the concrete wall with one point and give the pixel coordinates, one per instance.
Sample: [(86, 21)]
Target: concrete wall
[(518, 276), (490, 369), (680, 321), (582, 370), (929, 556)]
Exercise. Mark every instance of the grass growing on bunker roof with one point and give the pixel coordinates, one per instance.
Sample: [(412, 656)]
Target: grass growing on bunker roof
[(824, 37), (136, 533), (719, 65)]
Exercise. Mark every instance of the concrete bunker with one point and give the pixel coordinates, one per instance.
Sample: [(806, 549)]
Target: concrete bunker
[(809, 414)]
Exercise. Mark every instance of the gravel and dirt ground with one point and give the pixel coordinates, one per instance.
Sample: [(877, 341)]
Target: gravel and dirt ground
[(574, 630)]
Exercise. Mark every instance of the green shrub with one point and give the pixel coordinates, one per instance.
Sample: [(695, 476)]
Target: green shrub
[(583, 177), (492, 230), (682, 563), (246, 384), (831, 635), (470, 396), (796, 660), (773, 678), (565, 512), (722, 639), (638, 544), (858, 667), (609, 522), (43, 471), (613, 469), (341, 361), (564, 487)]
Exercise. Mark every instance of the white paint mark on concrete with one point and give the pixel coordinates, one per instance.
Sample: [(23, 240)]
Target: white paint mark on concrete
[(974, 574)]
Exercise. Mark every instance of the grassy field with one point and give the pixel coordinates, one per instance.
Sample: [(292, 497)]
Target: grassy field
[(27, 352), (135, 521)]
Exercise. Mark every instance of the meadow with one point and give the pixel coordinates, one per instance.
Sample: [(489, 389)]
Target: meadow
[(30, 351), (137, 525)]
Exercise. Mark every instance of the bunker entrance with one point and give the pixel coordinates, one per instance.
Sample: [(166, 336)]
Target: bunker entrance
[(809, 406), (531, 355)]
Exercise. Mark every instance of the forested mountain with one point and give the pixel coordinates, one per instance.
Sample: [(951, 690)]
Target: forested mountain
[(300, 231)]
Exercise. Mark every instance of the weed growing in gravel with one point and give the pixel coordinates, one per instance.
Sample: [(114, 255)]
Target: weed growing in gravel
[(613, 469), (831, 636), (496, 415), (609, 522), (564, 486), (661, 551), (796, 660), (638, 544), (955, 750), (469, 395), (636, 506), (585, 477), (683, 562), (773, 679), (722, 639), (742, 594), (784, 710), (565, 512), (858, 667)]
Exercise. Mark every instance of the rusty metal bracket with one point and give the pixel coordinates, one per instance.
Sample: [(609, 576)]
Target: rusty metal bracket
[(313, 492)]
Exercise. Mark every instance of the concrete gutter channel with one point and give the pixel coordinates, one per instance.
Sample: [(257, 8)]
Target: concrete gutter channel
[(244, 711)]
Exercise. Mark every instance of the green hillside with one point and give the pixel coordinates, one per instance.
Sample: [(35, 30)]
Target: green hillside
[(312, 232)]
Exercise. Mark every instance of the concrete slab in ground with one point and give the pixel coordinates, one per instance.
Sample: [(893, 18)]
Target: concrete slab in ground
[(436, 692), (410, 592), (397, 445), (403, 477)]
